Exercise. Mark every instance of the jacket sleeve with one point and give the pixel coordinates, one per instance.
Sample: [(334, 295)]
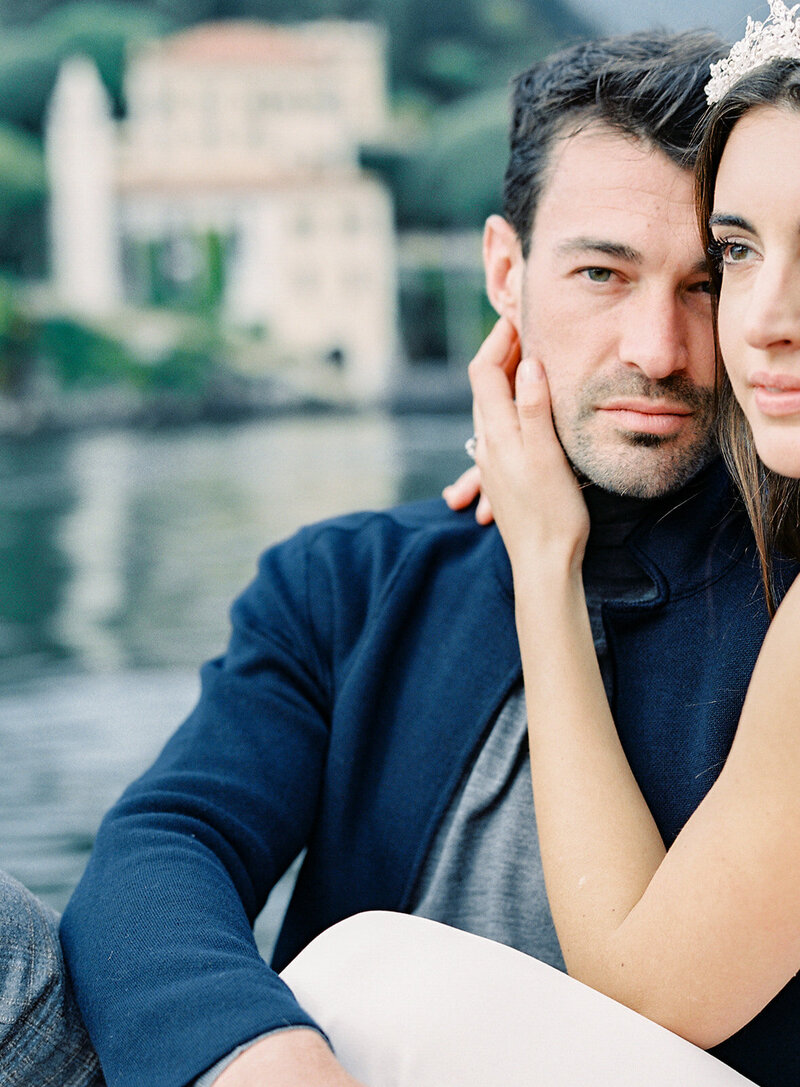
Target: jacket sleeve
[(158, 935)]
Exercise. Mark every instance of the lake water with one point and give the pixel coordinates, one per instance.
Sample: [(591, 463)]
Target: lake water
[(121, 553)]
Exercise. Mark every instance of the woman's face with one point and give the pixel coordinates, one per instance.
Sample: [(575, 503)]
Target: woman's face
[(756, 228)]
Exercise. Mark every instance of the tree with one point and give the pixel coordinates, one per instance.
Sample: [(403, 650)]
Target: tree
[(455, 179), (30, 56), (23, 190)]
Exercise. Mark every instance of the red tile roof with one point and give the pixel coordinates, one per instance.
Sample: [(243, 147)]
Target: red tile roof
[(243, 41)]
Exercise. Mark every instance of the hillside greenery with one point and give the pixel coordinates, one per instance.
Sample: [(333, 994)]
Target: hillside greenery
[(450, 61), (439, 49)]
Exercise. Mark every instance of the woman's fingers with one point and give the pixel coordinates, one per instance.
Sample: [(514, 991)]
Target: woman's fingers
[(533, 401), (460, 494), (501, 347), (483, 511), (491, 376), (537, 431), (463, 492), (534, 494)]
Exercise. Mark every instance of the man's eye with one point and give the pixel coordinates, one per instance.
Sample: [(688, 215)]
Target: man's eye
[(598, 275)]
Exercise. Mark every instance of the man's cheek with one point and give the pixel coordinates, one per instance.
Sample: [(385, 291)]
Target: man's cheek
[(562, 415)]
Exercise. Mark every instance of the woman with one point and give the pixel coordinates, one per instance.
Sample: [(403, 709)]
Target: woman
[(701, 938)]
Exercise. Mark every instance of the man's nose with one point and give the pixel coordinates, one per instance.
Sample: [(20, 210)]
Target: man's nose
[(654, 336), (772, 307)]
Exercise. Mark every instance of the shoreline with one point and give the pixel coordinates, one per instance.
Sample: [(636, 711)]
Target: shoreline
[(34, 416)]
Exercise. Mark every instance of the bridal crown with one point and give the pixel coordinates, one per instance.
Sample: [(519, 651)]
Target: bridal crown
[(778, 36)]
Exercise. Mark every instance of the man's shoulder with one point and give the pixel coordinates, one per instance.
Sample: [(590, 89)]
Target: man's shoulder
[(342, 569), (367, 548), (412, 522)]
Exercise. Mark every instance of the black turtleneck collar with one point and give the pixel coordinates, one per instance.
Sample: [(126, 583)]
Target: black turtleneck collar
[(608, 509), (681, 540)]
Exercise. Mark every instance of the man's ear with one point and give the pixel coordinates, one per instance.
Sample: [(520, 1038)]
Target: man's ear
[(504, 264)]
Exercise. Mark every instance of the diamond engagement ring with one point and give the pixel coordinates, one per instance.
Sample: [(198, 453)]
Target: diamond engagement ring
[(470, 445)]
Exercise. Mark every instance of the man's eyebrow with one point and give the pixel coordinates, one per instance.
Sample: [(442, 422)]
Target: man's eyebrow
[(720, 218), (618, 250)]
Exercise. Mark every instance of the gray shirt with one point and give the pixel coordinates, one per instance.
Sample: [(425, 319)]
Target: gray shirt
[(484, 871)]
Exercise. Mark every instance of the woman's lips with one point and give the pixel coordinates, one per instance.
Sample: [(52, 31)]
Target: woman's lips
[(776, 394), (647, 417)]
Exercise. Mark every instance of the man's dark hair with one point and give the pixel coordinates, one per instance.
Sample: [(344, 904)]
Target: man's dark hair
[(646, 85)]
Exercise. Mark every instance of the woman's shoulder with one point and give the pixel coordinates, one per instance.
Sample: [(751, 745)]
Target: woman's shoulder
[(785, 626), (771, 714)]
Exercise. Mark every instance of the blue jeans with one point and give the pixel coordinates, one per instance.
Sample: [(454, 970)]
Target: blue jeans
[(43, 1042)]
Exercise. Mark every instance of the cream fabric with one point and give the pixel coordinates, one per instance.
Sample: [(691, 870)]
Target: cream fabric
[(409, 1002)]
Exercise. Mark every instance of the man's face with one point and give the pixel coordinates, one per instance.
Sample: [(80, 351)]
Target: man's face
[(613, 300)]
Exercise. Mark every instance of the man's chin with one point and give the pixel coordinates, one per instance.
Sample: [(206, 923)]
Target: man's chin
[(646, 470)]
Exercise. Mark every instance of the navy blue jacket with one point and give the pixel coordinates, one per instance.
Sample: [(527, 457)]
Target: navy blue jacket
[(368, 660)]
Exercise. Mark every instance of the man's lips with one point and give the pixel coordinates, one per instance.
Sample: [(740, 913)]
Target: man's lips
[(776, 394), (660, 417)]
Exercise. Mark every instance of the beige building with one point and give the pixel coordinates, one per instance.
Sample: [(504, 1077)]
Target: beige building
[(235, 182)]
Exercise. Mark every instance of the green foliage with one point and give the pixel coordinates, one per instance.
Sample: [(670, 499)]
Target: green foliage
[(446, 48), (23, 189), (16, 341), (22, 174), (83, 357), (30, 55), (422, 315), (80, 356), (183, 272), (455, 180), (190, 367)]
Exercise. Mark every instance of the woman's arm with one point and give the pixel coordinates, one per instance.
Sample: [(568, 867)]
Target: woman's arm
[(463, 492), (700, 938)]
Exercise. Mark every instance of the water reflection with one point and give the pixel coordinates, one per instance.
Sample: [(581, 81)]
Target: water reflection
[(121, 552), (35, 497), (124, 549)]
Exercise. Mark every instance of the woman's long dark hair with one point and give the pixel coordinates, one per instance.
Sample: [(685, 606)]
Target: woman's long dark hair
[(772, 501)]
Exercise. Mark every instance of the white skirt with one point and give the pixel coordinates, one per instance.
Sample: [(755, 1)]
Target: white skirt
[(408, 1002)]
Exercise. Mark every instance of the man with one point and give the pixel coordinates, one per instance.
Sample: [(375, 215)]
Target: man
[(42, 1037), (369, 708)]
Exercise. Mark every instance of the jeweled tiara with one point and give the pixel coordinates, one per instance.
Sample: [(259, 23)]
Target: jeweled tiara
[(778, 36)]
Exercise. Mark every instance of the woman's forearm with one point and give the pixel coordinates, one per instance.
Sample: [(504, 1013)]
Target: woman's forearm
[(698, 939), (600, 846)]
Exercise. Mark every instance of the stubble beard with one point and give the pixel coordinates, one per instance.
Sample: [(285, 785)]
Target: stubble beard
[(632, 463)]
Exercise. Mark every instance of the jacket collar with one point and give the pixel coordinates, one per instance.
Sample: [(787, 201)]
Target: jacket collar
[(683, 542), (696, 538)]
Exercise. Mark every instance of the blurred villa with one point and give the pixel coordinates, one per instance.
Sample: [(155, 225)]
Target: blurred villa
[(234, 185)]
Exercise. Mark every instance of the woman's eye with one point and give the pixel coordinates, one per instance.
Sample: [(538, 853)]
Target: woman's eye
[(598, 275), (730, 252), (735, 252)]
